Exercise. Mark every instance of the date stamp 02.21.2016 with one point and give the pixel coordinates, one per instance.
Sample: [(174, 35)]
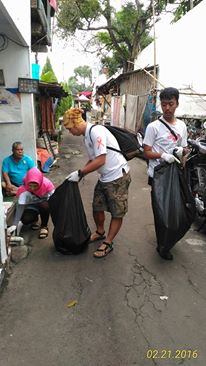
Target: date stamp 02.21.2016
[(172, 354)]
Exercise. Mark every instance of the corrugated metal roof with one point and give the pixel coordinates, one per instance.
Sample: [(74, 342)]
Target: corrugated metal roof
[(52, 89)]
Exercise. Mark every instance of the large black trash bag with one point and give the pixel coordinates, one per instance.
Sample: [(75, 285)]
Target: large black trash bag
[(173, 204), (71, 232)]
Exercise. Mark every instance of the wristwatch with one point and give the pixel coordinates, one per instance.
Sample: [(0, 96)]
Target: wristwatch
[(80, 174)]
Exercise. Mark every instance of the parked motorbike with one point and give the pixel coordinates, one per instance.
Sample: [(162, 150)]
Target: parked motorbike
[(196, 173), (140, 138)]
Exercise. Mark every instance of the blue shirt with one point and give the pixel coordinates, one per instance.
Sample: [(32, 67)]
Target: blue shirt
[(17, 170)]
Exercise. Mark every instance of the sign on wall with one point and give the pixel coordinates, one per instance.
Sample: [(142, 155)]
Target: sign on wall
[(28, 85), (10, 106)]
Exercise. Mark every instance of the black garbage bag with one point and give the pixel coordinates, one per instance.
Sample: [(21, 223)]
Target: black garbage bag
[(173, 204), (71, 232)]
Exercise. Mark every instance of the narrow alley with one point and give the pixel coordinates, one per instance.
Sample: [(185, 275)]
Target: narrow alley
[(130, 308)]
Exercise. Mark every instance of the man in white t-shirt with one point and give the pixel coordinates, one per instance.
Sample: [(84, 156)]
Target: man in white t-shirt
[(111, 190), (159, 141)]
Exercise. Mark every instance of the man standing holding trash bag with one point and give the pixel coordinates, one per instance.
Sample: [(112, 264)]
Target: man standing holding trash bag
[(162, 137), (111, 190)]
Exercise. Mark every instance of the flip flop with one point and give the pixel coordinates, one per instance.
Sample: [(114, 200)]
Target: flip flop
[(35, 226), (104, 251), (44, 232), (99, 237)]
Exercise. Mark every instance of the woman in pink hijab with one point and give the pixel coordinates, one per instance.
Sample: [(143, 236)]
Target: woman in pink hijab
[(33, 201)]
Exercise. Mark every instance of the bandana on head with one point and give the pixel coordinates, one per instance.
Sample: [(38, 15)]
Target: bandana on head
[(73, 117)]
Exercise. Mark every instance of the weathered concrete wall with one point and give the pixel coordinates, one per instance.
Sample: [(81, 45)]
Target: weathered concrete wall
[(15, 62), (19, 17), (2, 228)]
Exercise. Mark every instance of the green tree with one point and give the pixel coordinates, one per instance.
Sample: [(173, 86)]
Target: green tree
[(120, 34), (65, 103), (117, 35), (182, 6), (75, 86), (48, 74), (80, 73), (85, 73)]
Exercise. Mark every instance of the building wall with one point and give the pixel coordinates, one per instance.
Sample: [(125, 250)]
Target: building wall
[(19, 13), (138, 83), (15, 62)]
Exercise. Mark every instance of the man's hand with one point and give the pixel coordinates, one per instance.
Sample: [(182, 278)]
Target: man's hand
[(74, 176), (169, 158), (8, 187)]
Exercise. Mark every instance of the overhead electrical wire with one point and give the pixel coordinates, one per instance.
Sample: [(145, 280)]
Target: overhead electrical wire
[(5, 42)]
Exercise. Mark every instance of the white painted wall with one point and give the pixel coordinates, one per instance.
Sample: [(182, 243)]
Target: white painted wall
[(19, 12), (2, 231), (15, 62), (180, 54)]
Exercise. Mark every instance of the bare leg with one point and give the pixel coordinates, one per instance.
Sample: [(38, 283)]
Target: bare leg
[(106, 246), (115, 225), (99, 218)]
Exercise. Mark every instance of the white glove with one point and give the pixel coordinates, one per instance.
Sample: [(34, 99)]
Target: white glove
[(73, 177), (169, 158), (179, 151), (11, 229)]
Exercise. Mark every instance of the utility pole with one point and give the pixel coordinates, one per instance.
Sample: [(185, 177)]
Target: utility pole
[(63, 71), (36, 58), (155, 67)]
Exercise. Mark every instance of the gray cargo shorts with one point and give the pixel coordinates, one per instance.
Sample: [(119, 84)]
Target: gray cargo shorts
[(112, 196)]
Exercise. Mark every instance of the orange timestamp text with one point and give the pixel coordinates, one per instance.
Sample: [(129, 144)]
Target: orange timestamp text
[(169, 354)]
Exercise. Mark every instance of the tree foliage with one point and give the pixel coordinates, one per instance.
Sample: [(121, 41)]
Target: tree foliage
[(116, 36), (182, 8), (74, 85), (65, 103), (121, 34), (85, 73), (77, 83), (48, 74)]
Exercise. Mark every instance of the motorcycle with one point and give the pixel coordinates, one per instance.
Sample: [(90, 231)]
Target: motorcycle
[(196, 173), (140, 138)]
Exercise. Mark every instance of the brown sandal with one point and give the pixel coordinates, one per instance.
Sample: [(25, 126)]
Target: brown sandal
[(103, 250)]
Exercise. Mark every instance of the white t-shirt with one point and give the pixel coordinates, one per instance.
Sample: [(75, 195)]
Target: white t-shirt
[(101, 137), (162, 140)]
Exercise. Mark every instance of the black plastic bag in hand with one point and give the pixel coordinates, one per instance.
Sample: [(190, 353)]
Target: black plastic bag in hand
[(71, 232), (173, 204)]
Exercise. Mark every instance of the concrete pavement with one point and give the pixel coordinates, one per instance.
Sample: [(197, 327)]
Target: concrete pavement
[(131, 308)]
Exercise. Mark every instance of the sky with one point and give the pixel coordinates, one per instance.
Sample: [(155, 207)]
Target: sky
[(66, 56)]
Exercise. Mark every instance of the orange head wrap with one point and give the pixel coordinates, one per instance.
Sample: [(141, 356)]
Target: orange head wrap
[(73, 117)]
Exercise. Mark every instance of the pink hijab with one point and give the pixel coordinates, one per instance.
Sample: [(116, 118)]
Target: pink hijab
[(34, 175)]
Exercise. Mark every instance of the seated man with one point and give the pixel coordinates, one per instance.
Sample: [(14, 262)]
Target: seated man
[(14, 169)]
